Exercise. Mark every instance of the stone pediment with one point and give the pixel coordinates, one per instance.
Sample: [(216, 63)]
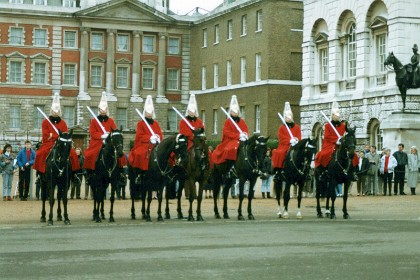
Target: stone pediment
[(124, 10)]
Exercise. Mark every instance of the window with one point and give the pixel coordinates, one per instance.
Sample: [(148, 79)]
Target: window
[(257, 118), (148, 44), (15, 72), (203, 117), (258, 67), (229, 30), (69, 113), (121, 118), (40, 37), (70, 39), (122, 76), (96, 75), (16, 36), (173, 46), (39, 73), (38, 118), (259, 20), (323, 57), (173, 79), (15, 117), (215, 121), (148, 78), (16, 1), (69, 77), (381, 52), (229, 73), (352, 51), (40, 2), (204, 38), (243, 70), (216, 75), (216, 34), (97, 41), (122, 42), (203, 78), (242, 110), (69, 3), (172, 121), (243, 26)]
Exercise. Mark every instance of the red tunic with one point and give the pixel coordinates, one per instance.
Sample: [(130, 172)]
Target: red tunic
[(184, 129), (139, 155), (323, 157), (47, 145), (122, 161), (95, 143), (279, 154), (227, 150)]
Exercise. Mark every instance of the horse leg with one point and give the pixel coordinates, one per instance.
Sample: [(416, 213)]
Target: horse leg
[(178, 201), (199, 200), (241, 199), (216, 193), (143, 205), (332, 195), (50, 218), (319, 185), (112, 199), (43, 197), (250, 197), (159, 212), (278, 190), (286, 199), (59, 197), (191, 186), (167, 214), (149, 201), (103, 195), (65, 200), (345, 196), (299, 198), (226, 189)]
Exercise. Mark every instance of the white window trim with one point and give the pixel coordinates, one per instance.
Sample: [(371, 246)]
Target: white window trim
[(46, 37), (102, 75), (128, 76), (216, 34), (153, 77), (215, 122), (45, 3), (177, 79), (128, 42), (229, 73), (117, 121), (179, 46), (229, 30), (204, 38), (91, 40), (259, 23), (203, 78), (243, 70), (154, 44), (76, 42), (75, 74), (258, 67), (257, 118), (244, 26), (71, 2), (23, 35), (47, 71), (216, 75), (23, 70), (20, 117), (16, 1)]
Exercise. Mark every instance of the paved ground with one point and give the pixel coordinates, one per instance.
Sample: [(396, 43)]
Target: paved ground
[(380, 241)]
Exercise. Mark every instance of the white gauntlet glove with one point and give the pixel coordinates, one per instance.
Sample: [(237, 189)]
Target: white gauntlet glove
[(104, 136), (338, 141), (154, 139), (243, 136), (293, 141)]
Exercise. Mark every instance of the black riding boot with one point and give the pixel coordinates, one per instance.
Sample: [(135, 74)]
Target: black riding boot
[(268, 195), (413, 191), (263, 194)]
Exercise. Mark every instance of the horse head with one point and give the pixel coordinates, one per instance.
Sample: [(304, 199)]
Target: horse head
[(348, 142), (63, 145), (181, 149), (391, 60), (116, 139), (309, 148), (258, 148), (200, 145)]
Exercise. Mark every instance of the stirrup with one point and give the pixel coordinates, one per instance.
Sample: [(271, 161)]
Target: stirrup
[(138, 180)]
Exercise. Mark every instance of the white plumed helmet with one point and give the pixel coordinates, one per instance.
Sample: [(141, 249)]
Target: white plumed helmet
[(287, 113), (234, 105), (192, 106), (148, 106), (335, 109), (55, 106), (103, 104)]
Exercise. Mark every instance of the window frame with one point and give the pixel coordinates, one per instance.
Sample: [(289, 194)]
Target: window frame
[(101, 77), (215, 121), (244, 26), (257, 109), (75, 74), (121, 117), (216, 34), (215, 75), (120, 35), (15, 122), (351, 52), (38, 117), (34, 72), (22, 71), (229, 33), (65, 46), (143, 45), (168, 82), (204, 38), (258, 27), (258, 68), (203, 77), (153, 69), (178, 47), (92, 44), (118, 79), (243, 70), (229, 73), (45, 39), (69, 114), (22, 36)]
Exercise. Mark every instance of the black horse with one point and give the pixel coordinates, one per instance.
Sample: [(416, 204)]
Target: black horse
[(295, 171), (106, 172), (248, 166), (339, 171), (403, 75), (158, 175), (196, 170), (58, 173)]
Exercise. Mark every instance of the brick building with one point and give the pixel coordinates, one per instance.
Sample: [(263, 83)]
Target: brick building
[(134, 48)]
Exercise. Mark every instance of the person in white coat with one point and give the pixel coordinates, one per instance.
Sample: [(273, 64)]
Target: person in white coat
[(413, 169), (388, 164)]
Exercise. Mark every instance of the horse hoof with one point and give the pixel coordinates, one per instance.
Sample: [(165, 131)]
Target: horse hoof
[(50, 223), (241, 218), (217, 216), (59, 219), (332, 216), (226, 216), (111, 219), (191, 219), (148, 219), (43, 220), (319, 215), (98, 220), (251, 217), (160, 219), (285, 215), (133, 217), (346, 216), (180, 216), (103, 216), (200, 218), (299, 215), (67, 222), (143, 217), (167, 216)]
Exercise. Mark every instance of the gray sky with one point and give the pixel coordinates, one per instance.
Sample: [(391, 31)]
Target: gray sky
[(184, 6)]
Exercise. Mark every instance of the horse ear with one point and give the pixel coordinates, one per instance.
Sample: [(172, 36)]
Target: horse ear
[(392, 52), (71, 132)]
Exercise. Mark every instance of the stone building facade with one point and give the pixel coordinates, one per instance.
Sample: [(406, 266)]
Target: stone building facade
[(345, 44)]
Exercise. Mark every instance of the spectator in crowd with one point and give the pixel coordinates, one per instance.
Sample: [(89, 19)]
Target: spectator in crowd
[(362, 169), (25, 160), (367, 149), (380, 175), (267, 175), (402, 160), (76, 181), (388, 163), (413, 169), (372, 174), (8, 166)]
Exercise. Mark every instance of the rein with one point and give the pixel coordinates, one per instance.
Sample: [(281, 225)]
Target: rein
[(347, 158), (254, 165)]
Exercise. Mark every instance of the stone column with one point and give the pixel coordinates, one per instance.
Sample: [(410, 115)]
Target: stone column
[(135, 96), (84, 50), (110, 73), (161, 69)]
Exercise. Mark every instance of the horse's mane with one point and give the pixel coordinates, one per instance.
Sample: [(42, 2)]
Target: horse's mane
[(301, 144), (167, 142)]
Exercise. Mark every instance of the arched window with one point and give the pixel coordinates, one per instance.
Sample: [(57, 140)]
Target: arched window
[(352, 51), (375, 134)]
